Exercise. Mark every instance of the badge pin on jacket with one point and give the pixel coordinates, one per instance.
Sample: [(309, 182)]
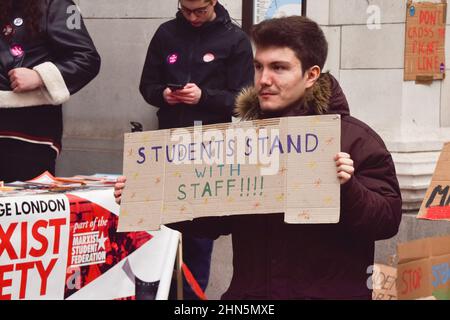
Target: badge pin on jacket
[(208, 57), (7, 30), (18, 22), (172, 58), (17, 51)]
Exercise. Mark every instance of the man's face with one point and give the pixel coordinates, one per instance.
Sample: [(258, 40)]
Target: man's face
[(197, 12), (278, 78)]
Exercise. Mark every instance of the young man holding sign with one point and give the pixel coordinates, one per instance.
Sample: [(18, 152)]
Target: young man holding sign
[(275, 260)]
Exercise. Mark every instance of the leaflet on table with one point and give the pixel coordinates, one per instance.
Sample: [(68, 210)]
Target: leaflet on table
[(48, 182)]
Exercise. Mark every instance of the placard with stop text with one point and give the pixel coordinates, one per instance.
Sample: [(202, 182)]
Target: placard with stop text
[(423, 269)]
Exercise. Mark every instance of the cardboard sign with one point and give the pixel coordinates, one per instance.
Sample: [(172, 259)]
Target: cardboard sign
[(255, 167), (425, 41), (384, 280), (436, 204), (424, 269)]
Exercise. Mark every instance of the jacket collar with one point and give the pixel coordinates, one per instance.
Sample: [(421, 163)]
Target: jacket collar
[(324, 97)]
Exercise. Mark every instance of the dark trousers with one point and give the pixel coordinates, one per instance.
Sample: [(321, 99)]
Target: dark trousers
[(21, 161), (197, 256)]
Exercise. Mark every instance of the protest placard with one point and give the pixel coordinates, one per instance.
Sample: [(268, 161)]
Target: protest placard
[(384, 282), (436, 204), (423, 269), (425, 41), (255, 167)]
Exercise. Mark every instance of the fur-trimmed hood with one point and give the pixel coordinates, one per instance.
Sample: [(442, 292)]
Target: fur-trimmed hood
[(324, 97)]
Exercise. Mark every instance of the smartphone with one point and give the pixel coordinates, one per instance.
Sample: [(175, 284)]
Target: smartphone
[(175, 87)]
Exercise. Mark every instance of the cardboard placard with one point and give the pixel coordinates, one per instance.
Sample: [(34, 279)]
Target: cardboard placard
[(384, 282), (424, 269), (436, 204), (425, 41), (255, 167)]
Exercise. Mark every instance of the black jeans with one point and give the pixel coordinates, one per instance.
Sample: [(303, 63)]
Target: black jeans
[(21, 161)]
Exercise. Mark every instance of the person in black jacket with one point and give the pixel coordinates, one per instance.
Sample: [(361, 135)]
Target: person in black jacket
[(276, 260), (196, 65), (202, 51), (46, 55)]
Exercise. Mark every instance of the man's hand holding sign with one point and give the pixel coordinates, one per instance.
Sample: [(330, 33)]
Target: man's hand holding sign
[(214, 169)]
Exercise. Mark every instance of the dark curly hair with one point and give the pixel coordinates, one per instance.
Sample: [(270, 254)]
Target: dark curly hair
[(302, 35), (32, 13)]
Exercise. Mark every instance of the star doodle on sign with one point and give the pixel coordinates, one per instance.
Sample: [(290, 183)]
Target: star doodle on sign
[(280, 197), (329, 141), (101, 241), (318, 183), (328, 200), (157, 180), (312, 165), (315, 120), (304, 215), (282, 170)]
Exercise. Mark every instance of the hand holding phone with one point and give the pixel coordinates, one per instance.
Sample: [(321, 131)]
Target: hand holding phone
[(189, 93), (174, 87)]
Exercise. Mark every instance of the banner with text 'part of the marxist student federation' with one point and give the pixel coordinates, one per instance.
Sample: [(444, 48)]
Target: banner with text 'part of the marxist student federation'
[(66, 246)]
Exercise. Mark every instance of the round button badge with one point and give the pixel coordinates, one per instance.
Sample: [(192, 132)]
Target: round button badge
[(16, 51), (7, 30), (172, 58), (208, 57), (18, 22)]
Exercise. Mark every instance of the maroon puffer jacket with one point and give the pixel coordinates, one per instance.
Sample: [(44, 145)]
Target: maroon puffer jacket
[(275, 260)]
